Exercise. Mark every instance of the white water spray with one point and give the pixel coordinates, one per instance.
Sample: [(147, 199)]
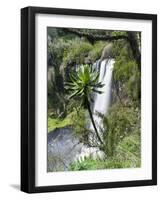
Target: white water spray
[(102, 101), (101, 105)]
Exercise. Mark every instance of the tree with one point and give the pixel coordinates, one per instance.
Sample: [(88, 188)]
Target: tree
[(129, 36), (82, 85)]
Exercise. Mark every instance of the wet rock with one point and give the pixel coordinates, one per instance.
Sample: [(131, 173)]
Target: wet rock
[(64, 148)]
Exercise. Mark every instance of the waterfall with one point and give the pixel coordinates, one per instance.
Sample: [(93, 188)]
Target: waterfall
[(101, 105), (102, 101)]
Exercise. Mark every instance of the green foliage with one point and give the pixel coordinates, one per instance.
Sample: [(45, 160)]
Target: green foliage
[(129, 149), (120, 122), (126, 71), (127, 156), (118, 33), (81, 51), (87, 164), (77, 52), (79, 124), (84, 83), (70, 59), (58, 123), (56, 104), (56, 49), (96, 52)]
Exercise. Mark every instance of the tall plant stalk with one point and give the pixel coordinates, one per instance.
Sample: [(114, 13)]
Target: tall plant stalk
[(82, 85), (93, 123)]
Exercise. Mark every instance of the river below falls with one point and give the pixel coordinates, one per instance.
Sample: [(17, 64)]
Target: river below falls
[(64, 149)]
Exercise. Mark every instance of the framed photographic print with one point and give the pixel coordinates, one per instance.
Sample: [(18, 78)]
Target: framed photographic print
[(88, 99)]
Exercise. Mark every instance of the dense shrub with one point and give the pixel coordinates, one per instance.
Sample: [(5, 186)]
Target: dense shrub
[(77, 52), (126, 72), (120, 122), (80, 124), (127, 156)]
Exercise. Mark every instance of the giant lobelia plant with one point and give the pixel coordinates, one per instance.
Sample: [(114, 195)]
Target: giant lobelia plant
[(83, 84)]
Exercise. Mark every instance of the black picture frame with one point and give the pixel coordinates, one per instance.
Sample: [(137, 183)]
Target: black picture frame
[(28, 98)]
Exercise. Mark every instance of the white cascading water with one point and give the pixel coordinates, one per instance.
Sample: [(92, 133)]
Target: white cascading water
[(102, 101), (101, 105)]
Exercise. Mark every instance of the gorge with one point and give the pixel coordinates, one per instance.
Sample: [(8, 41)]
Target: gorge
[(63, 147)]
